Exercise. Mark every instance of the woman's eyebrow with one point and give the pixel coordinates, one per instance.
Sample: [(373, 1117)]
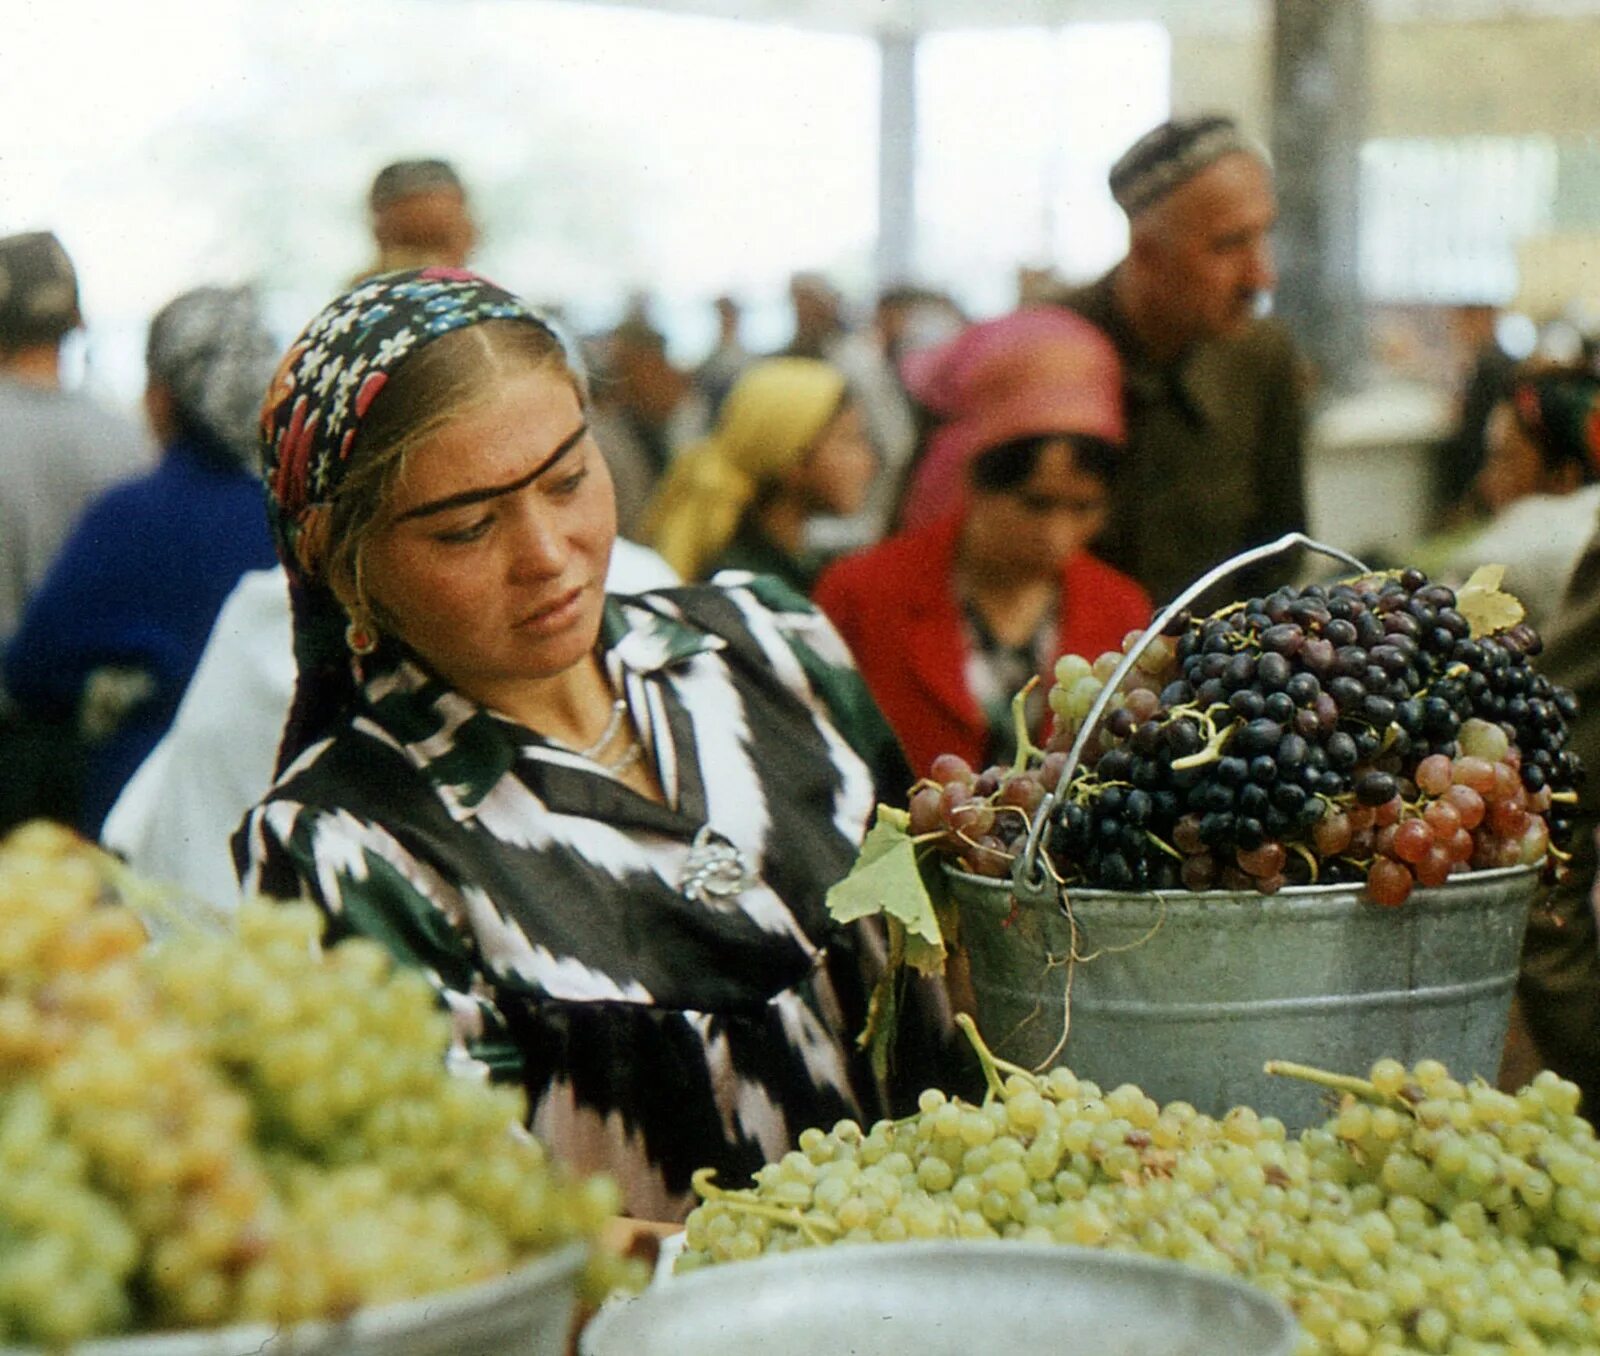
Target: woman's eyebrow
[(467, 497)]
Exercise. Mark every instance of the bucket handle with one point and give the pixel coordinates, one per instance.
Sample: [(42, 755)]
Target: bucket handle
[(1031, 882)]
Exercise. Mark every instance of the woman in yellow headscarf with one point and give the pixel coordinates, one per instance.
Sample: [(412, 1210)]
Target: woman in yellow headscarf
[(788, 446)]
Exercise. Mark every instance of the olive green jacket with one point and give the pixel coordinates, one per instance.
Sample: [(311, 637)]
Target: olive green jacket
[(1215, 452)]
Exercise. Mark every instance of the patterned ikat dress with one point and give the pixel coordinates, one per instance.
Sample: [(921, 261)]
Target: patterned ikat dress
[(658, 1026)]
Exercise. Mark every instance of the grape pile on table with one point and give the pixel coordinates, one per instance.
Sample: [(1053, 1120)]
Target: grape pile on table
[(1358, 731), (239, 1126), (1424, 1215)]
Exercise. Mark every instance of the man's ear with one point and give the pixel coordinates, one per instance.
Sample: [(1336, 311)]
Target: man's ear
[(1144, 242), (161, 411)]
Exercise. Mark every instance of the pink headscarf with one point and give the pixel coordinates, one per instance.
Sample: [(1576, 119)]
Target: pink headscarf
[(1039, 371)]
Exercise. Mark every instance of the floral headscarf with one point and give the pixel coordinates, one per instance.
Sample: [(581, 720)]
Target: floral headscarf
[(313, 411)]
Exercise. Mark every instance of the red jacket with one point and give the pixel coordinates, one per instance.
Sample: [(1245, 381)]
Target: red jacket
[(896, 606)]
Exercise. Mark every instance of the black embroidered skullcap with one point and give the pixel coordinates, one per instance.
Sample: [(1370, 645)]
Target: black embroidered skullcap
[(38, 290), (1170, 154), (406, 177)]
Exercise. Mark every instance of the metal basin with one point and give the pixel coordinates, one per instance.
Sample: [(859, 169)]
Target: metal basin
[(527, 1313), (945, 1299), (1187, 995)]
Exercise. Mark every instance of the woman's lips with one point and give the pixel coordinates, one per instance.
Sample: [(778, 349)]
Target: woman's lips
[(557, 617)]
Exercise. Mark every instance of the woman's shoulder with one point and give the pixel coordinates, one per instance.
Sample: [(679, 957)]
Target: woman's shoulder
[(1100, 605), (117, 514), (358, 770), (760, 626), (345, 804), (737, 607)]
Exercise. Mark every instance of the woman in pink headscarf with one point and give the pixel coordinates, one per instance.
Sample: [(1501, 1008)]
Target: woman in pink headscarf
[(989, 579)]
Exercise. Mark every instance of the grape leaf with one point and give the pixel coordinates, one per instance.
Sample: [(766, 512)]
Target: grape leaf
[(886, 880), (1485, 605)]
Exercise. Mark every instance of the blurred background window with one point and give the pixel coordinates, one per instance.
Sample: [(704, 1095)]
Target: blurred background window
[(1016, 131), (1443, 218), (605, 150)]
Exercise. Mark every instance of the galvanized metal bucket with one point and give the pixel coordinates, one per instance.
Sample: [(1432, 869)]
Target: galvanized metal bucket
[(526, 1313), (1188, 995), (945, 1299)]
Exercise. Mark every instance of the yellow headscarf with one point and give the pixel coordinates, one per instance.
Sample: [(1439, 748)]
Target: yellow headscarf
[(773, 415)]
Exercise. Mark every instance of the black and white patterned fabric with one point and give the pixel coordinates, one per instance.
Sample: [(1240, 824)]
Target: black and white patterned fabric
[(663, 979)]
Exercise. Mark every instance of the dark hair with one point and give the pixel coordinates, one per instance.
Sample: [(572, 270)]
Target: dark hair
[(1005, 467), (404, 178), (38, 292)]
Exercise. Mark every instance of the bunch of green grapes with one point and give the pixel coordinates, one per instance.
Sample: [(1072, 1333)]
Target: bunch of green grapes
[(126, 1092), (396, 1176), (1339, 1222), (240, 1126), (66, 1251)]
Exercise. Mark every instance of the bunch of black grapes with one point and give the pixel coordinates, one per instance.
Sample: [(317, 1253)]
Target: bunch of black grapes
[(1278, 742)]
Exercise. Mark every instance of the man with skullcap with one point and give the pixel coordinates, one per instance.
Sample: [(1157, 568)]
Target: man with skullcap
[(1215, 399), (58, 448)]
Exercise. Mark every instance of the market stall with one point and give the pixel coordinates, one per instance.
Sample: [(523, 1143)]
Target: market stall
[(224, 1136)]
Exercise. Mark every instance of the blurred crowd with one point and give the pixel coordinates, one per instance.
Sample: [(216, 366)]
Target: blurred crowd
[(966, 498)]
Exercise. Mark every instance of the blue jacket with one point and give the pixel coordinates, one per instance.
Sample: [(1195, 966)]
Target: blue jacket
[(138, 585)]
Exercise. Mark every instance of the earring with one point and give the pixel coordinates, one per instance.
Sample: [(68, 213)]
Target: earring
[(359, 638)]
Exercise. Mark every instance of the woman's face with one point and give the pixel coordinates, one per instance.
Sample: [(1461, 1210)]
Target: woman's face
[(1031, 529), (835, 475), (490, 558)]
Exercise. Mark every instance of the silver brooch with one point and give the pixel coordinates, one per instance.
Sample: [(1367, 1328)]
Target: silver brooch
[(715, 871)]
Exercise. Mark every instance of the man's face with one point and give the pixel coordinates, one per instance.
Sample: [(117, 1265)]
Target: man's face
[(1028, 531), (436, 223), (1206, 251)]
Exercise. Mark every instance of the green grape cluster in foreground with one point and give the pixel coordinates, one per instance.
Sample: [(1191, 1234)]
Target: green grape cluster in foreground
[(1423, 1216), (237, 1127)]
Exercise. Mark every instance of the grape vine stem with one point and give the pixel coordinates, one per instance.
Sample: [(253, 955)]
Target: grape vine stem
[(742, 1202), (1213, 748), (1356, 1087), (993, 1066), (1027, 750)]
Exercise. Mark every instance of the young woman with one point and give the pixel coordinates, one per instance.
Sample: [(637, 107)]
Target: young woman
[(990, 579), (788, 445), (604, 826)]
